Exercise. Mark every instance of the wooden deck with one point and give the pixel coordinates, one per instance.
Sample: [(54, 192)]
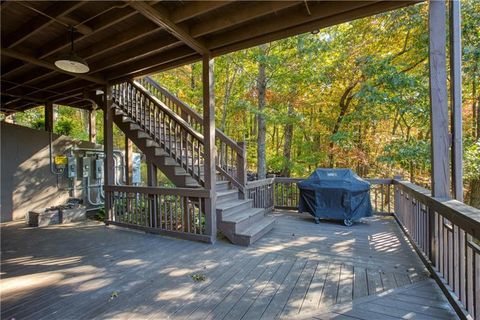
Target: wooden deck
[(298, 270)]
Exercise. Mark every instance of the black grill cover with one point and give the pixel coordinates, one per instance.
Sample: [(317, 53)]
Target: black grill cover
[(335, 194)]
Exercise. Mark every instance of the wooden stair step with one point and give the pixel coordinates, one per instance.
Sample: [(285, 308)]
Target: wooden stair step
[(234, 206), (227, 195), (222, 186), (243, 215), (259, 229), (242, 220)]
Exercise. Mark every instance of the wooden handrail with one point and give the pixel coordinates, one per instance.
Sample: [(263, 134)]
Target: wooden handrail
[(168, 111), (259, 183), (172, 97), (444, 232), (231, 157), (175, 212), (460, 214), (187, 192), (194, 114), (158, 121)]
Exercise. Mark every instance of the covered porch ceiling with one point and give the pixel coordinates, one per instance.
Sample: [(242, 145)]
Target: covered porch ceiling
[(122, 40)]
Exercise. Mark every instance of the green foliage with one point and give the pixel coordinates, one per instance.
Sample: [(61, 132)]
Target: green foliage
[(64, 126), (472, 161), (407, 153), (356, 95), (198, 277), (38, 124), (100, 215)]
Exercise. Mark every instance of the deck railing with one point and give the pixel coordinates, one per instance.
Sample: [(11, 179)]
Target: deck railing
[(177, 212), (261, 191), (286, 195), (178, 139), (444, 232), (231, 155), (446, 235)]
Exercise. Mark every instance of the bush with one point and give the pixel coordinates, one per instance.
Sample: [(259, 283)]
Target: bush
[(100, 216), (64, 127)]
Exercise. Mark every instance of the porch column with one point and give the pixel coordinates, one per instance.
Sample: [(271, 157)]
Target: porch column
[(92, 128), (108, 147), (440, 145), (49, 116), (456, 98), (128, 160), (209, 145), (242, 166), (151, 174)]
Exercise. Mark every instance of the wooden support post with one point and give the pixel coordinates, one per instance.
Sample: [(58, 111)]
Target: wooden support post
[(108, 148), (151, 174), (128, 160), (209, 145), (92, 126), (440, 144), (456, 98), (242, 166), (152, 182), (49, 123)]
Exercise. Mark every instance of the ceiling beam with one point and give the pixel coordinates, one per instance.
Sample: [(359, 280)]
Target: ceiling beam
[(195, 8), (17, 55), (49, 86), (102, 47), (40, 22), (161, 17), (101, 22), (167, 66), (23, 97), (361, 12), (285, 20), (140, 65), (150, 48), (72, 92), (239, 14)]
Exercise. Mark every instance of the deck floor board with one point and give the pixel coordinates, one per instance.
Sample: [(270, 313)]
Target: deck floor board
[(298, 270)]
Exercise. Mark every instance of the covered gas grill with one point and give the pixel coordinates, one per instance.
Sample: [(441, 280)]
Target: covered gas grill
[(337, 194)]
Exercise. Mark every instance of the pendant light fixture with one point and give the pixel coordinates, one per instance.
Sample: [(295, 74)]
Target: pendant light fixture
[(71, 62)]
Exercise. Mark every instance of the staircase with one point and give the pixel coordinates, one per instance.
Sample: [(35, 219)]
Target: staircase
[(168, 132)]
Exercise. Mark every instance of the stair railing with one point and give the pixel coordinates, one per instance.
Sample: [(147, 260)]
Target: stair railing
[(231, 156), (170, 131)]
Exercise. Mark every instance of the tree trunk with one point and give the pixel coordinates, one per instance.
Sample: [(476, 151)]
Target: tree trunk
[(475, 109), (226, 98), (262, 127), (344, 103), (193, 84), (475, 193), (287, 146)]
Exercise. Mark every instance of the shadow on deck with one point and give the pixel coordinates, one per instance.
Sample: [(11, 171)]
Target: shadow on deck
[(298, 270)]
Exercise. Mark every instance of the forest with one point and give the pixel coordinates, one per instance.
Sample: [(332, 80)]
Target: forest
[(355, 95)]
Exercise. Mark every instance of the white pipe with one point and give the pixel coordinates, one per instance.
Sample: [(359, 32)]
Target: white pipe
[(99, 202)]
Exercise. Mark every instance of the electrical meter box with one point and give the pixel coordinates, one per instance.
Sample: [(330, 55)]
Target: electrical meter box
[(72, 167), (85, 172), (99, 169), (60, 162)]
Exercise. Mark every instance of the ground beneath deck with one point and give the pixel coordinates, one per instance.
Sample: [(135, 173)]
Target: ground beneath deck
[(298, 270)]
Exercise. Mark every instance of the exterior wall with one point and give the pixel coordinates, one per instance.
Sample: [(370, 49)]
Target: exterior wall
[(26, 180)]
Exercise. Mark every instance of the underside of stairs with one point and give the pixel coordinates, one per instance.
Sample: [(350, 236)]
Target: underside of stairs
[(154, 151), (237, 218)]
